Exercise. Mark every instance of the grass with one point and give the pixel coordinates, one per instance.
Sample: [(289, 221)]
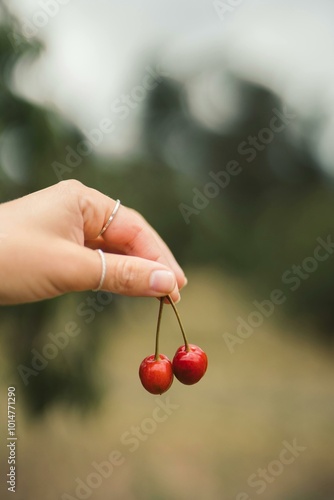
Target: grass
[(275, 387)]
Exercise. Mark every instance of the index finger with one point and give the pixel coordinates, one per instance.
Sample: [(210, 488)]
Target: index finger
[(129, 233)]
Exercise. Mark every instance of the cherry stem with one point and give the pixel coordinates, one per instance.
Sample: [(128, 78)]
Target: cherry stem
[(186, 343), (156, 355)]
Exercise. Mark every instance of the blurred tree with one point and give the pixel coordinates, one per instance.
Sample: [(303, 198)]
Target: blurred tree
[(31, 139), (263, 222), (267, 217)]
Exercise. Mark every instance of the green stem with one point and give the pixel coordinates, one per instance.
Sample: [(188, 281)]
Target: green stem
[(156, 355), (186, 343)]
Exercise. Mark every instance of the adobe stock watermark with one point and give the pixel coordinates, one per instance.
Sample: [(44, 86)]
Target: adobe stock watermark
[(250, 148), (121, 108), (292, 278), (40, 18), (87, 309), (74, 157), (223, 9), (262, 478), (129, 442)]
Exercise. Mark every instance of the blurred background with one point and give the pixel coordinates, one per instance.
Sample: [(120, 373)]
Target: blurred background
[(214, 119)]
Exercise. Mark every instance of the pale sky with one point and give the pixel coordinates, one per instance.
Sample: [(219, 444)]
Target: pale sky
[(96, 50)]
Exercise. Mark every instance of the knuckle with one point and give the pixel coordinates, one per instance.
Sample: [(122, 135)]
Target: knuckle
[(70, 185), (125, 275), (72, 192)]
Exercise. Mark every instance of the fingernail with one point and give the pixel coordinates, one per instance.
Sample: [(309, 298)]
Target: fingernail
[(162, 281), (185, 281)]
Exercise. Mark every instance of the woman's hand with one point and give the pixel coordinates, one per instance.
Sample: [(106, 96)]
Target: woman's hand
[(47, 242)]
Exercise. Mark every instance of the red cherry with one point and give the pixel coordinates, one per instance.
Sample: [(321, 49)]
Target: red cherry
[(156, 375), (190, 365)]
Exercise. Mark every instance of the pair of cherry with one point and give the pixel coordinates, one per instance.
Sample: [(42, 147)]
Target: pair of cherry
[(189, 364)]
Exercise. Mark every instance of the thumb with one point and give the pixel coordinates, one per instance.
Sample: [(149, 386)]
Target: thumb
[(125, 275)]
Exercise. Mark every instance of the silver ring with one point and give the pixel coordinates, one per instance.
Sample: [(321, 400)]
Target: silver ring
[(104, 270), (113, 213)]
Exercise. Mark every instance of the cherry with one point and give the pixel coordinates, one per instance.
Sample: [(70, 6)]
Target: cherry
[(189, 364), (156, 371), (190, 361), (156, 375)]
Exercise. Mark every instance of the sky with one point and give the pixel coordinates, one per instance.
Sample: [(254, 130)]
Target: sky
[(98, 51)]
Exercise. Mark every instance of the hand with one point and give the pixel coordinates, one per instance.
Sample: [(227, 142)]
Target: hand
[(47, 242)]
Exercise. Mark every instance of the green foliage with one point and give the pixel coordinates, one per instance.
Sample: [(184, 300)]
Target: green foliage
[(266, 220), (41, 138)]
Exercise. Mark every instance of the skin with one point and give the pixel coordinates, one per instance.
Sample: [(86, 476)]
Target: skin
[(48, 241)]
